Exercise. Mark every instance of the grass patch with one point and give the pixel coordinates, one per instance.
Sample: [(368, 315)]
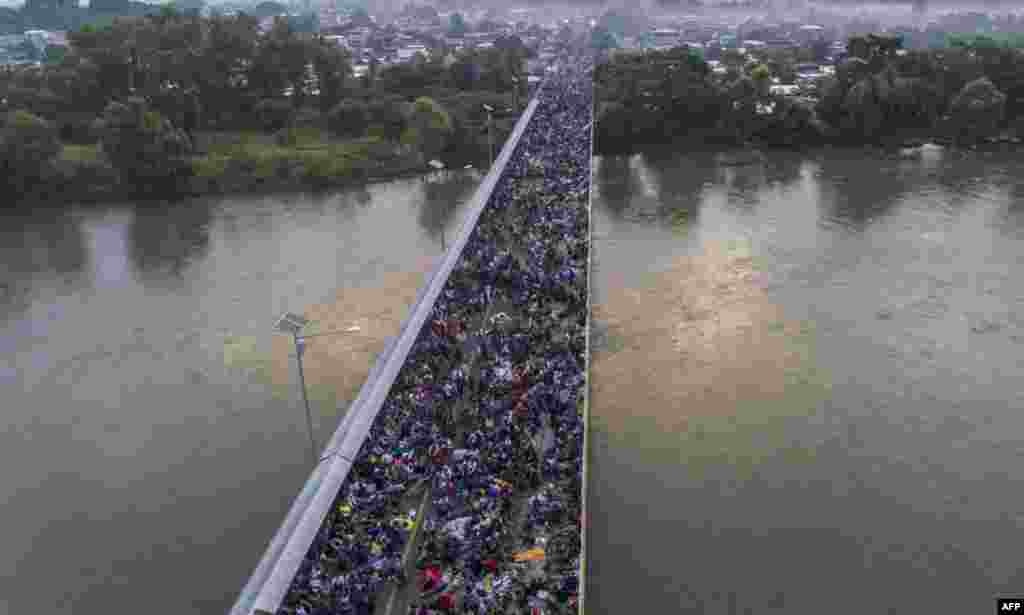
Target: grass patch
[(679, 220), (308, 148), (306, 137), (211, 166), (81, 153)]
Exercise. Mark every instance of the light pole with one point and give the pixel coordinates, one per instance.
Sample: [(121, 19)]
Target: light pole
[(490, 131), (293, 324)]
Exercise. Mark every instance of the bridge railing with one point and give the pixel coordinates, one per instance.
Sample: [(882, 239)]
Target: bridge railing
[(269, 583), (584, 526)]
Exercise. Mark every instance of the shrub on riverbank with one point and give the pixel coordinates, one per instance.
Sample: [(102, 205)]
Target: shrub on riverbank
[(253, 163), (84, 154), (139, 148), (230, 163), (145, 147), (28, 147)]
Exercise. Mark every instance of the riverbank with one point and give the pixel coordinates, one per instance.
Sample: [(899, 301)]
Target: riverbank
[(895, 146), (236, 163)]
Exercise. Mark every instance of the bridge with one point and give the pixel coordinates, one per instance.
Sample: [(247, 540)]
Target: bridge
[(487, 381)]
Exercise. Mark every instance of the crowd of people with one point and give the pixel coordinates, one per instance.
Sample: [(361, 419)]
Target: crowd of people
[(482, 432)]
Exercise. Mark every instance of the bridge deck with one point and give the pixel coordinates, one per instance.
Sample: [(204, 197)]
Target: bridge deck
[(275, 576)]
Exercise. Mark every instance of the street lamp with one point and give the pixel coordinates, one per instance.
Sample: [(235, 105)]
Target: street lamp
[(490, 131), (292, 324)]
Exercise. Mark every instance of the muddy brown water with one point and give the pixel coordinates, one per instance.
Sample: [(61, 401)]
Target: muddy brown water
[(152, 434), (807, 384)]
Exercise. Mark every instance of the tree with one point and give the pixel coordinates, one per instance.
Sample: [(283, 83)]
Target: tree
[(429, 129), (465, 72), (145, 147), (104, 48), (977, 110), (28, 146), (410, 78), (333, 67), (370, 76), (388, 116), (456, 25), (1005, 68), (223, 64), (54, 54), (274, 113), (280, 63), (350, 118), (733, 59), (781, 63), (762, 79)]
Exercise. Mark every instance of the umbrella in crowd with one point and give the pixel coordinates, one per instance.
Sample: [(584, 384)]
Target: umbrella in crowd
[(484, 421)]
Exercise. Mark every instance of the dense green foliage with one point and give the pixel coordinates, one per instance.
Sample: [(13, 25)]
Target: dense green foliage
[(174, 72), (28, 147), (142, 144), (967, 92)]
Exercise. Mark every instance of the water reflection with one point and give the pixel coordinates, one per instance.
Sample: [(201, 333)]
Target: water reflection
[(783, 171), (37, 242), (679, 182), (856, 190), (617, 183), (359, 195), (164, 238), (441, 199)]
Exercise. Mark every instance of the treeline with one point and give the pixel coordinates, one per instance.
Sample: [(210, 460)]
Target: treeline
[(880, 94), (160, 80)]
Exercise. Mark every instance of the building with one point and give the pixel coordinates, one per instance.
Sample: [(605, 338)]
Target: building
[(665, 38), (809, 34), (408, 52), (338, 40)]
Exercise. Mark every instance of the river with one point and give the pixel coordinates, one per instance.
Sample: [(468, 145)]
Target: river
[(807, 384), (152, 432)]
